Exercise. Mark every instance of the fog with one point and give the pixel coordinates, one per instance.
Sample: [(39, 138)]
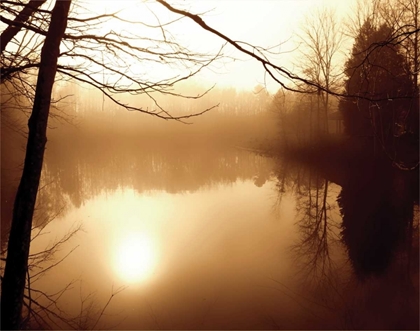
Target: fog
[(172, 196), (240, 231)]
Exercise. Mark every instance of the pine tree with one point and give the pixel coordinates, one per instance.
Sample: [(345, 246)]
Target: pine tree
[(382, 89)]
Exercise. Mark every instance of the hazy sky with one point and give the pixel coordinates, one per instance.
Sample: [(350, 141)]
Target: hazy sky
[(258, 22), (263, 23)]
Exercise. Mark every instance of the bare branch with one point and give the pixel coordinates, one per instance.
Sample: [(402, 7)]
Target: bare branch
[(14, 26)]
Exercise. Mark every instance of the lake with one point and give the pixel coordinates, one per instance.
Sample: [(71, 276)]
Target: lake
[(216, 237)]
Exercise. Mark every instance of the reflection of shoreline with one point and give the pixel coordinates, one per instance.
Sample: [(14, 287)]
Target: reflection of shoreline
[(76, 172), (376, 204), (207, 244), (377, 207), (379, 230), (144, 169)]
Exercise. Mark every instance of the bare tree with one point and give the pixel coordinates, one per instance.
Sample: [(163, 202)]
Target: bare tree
[(12, 30), (101, 60), (106, 61), (13, 283), (45, 310), (82, 57), (321, 39)]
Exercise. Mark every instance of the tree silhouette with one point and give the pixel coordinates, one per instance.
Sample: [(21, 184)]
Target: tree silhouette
[(377, 71), (13, 283), (85, 57), (321, 40), (377, 216), (18, 64)]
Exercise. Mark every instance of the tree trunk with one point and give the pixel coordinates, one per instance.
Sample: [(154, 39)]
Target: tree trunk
[(327, 101), (13, 284), (318, 115), (416, 46), (23, 16)]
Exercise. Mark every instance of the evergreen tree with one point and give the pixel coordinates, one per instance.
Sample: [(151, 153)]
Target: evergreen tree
[(382, 89)]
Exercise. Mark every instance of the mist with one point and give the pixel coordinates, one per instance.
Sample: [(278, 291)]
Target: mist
[(145, 184)]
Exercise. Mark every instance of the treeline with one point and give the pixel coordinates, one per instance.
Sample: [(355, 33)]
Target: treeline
[(375, 88), (235, 118), (85, 125)]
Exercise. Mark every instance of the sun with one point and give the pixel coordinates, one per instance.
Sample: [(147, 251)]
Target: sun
[(135, 258)]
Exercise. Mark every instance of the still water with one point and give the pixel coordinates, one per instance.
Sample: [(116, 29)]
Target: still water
[(220, 238)]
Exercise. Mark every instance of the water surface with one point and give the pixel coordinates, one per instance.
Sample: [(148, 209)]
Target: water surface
[(220, 238)]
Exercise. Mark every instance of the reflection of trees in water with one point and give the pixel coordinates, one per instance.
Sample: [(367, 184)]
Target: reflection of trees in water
[(72, 176), (315, 221), (321, 266), (76, 172), (379, 231), (377, 209), (315, 252), (316, 227)]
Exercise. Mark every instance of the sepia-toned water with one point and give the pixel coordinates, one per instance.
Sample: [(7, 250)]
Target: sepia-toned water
[(212, 237)]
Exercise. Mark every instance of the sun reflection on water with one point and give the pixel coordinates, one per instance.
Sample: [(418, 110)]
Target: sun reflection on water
[(135, 258)]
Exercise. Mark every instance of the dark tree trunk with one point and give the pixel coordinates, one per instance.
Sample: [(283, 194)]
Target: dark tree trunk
[(13, 284), (23, 16)]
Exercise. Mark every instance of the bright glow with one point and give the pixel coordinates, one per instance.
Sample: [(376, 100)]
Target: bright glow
[(262, 23), (135, 258)]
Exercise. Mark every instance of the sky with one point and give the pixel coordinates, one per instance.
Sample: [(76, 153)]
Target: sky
[(263, 23)]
